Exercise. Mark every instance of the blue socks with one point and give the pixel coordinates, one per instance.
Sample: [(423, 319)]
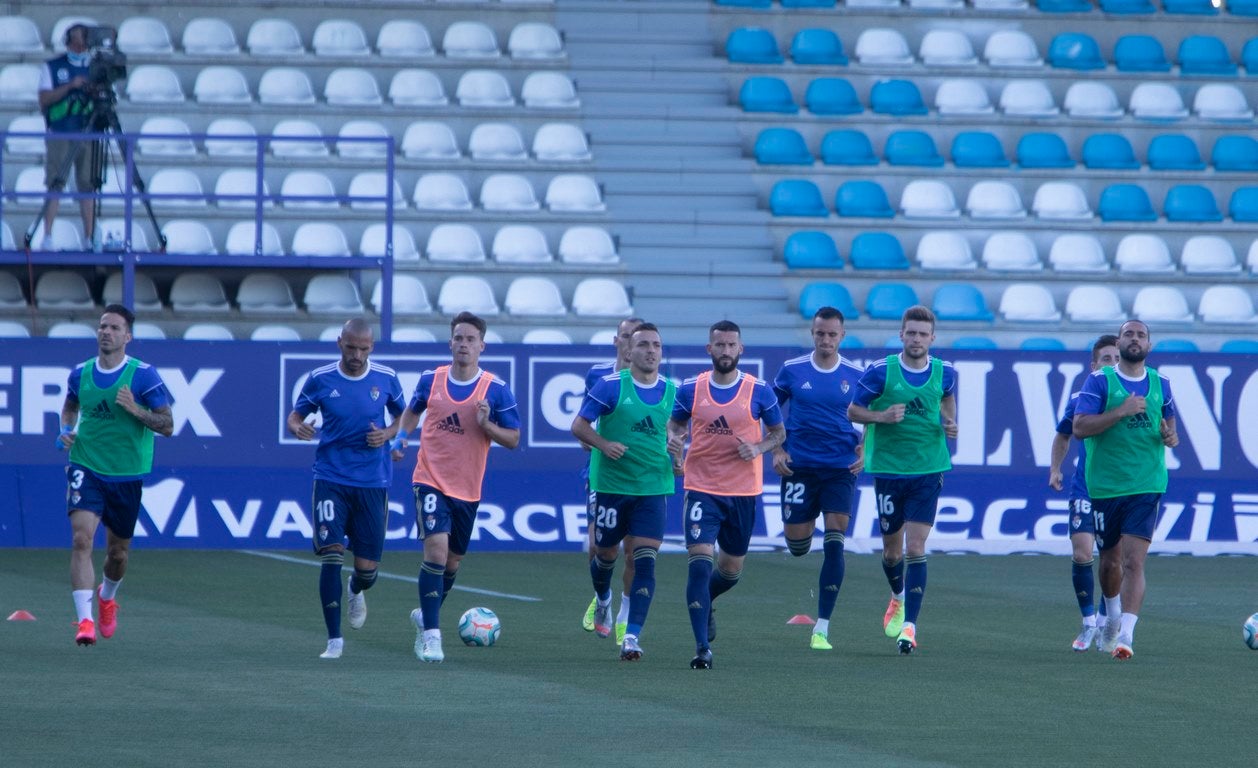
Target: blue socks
[(895, 575), (831, 574), (447, 584), (721, 582), (643, 588), (1081, 576), (601, 575), (362, 580), (330, 592), (698, 599), (915, 587), (431, 593)]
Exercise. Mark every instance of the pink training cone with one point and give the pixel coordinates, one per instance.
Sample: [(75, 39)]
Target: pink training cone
[(21, 616), (801, 618)]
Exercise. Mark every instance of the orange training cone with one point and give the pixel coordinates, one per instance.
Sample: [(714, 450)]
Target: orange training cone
[(21, 616), (801, 618)]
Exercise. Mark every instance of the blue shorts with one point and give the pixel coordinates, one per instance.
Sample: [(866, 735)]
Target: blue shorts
[(590, 506), (809, 492), (341, 511), (617, 516), (1081, 520), (903, 500), (117, 504), (436, 512), (726, 521), (1134, 515)]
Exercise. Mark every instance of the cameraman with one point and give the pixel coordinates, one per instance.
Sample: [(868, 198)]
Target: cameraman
[(67, 107)]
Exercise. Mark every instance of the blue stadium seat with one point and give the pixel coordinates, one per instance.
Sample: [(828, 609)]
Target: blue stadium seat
[(862, 198), (1125, 202), (1193, 7), (1127, 6), (1109, 151), (796, 197), (847, 147), (832, 96), (887, 301), (1174, 152), (808, 3), (782, 146), (766, 94), (814, 47), (1140, 53), (978, 149), (1239, 347), (974, 342), (752, 45), (1075, 50), (1044, 150), (851, 342), (878, 250), (1242, 7), (896, 97), (1191, 202), (1204, 55), (818, 295), (1176, 345), (746, 3), (1243, 206), (1235, 153), (1064, 6), (960, 301), (915, 148), (1042, 343), (811, 250), (1249, 56)]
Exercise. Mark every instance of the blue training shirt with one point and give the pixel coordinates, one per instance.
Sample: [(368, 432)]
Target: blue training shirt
[(1079, 483), (764, 404), (502, 407), (147, 388), (818, 432), (601, 399), (349, 408)]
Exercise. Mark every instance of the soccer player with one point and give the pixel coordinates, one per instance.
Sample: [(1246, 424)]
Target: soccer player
[(352, 470), (631, 477), (468, 409), (114, 405), (1082, 526), (908, 400), (1126, 416), (624, 331), (722, 410), (821, 457)]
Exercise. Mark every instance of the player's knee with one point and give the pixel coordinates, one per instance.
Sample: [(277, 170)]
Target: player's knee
[(332, 557), (81, 541), (641, 554), (799, 547), (364, 579)]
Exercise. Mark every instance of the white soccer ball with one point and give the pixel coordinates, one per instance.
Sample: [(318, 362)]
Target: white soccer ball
[(1251, 632), (479, 627)]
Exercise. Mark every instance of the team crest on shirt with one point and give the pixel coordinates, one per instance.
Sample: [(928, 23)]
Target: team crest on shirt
[(375, 394), (844, 386), (323, 533), (430, 522)]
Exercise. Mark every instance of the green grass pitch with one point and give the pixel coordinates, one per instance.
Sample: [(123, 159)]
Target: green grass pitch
[(215, 663)]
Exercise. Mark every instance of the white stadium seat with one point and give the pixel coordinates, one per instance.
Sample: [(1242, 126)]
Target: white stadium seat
[(274, 37), (218, 131), (1161, 304), (587, 245), (417, 88), (470, 40), (549, 90), (372, 243), (68, 330), (1226, 304), (176, 181), (520, 244), (404, 38), (274, 332), (535, 40), (1141, 253), (1208, 254), (351, 86), (545, 336), (320, 238), (1077, 252), (1156, 101), (339, 37), (144, 35), (945, 251), (26, 145), (534, 297), (508, 192), (165, 146), (362, 129), (560, 142), (441, 192), (1027, 98), (994, 200), (145, 292), (208, 36), (19, 34), (285, 85), (19, 84), (310, 184), (1011, 252), (221, 85), (574, 193), (429, 140), (466, 293), (496, 141), (198, 292), (154, 84), (483, 88), (928, 198), (409, 296), (1012, 48), (61, 290), (1061, 200), (1027, 302), (265, 293), (332, 294), (880, 46), (455, 242), (242, 240), (601, 297), (946, 48), (188, 237), (374, 185), (1094, 304)]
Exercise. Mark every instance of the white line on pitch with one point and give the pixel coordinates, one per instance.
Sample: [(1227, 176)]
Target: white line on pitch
[(394, 576)]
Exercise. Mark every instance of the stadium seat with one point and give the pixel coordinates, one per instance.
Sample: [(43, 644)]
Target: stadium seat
[(1028, 303), (320, 238), (1235, 153), (811, 250), (1012, 48), (533, 40), (198, 292), (1092, 100), (297, 138), (1249, 56), (1191, 202), (1125, 202), (887, 301), (878, 250), (1011, 252), (65, 235), (830, 96), (242, 240), (285, 85), (274, 332), (601, 297), (68, 330), (946, 48), (56, 38), (1109, 151), (144, 36), (1140, 53), (752, 45), (545, 336), (862, 198), (177, 143), (814, 296), (455, 242), (154, 84), (416, 88), (959, 96), (207, 332), (961, 302), (374, 187), (1175, 346), (1251, 258), (1243, 207), (1027, 98), (274, 37), (994, 200), (1042, 344), (1127, 6), (317, 188), (807, 3), (495, 142), (945, 251), (913, 148), (351, 86), (372, 243), (429, 140), (1043, 150), (508, 192), (142, 331), (404, 38), (483, 88), (470, 40), (182, 185), (25, 145), (1075, 50), (331, 333), (796, 197), (1221, 101), (332, 294), (1226, 304), (221, 85), (977, 149), (1204, 55), (520, 244), (587, 245), (1193, 7), (534, 297), (881, 46), (441, 192), (19, 34), (1143, 253), (221, 133), (1077, 252), (574, 193), (928, 198), (11, 295), (1094, 304), (872, 3), (411, 333), (847, 147), (974, 342), (30, 187), (817, 47), (264, 293), (340, 38), (1161, 304), (347, 146), (189, 238), (1156, 101), (113, 235), (766, 94), (1208, 254), (1239, 347), (409, 296), (145, 292), (209, 36), (896, 97), (561, 143), (1174, 152), (781, 146)]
